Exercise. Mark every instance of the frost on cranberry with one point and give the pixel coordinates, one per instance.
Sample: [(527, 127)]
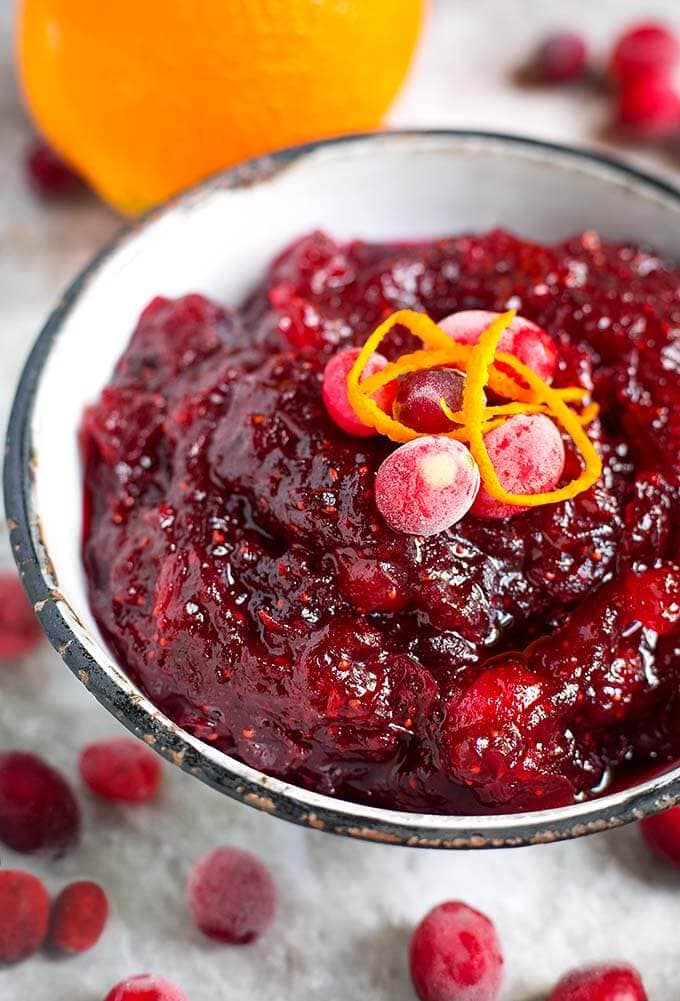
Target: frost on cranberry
[(38, 811), (78, 917), (24, 913), (335, 396), (20, 631), (145, 987), (648, 107), (561, 58), (455, 955), (662, 834), (601, 982), (644, 49), (426, 485), (231, 896), (49, 176), (417, 403), (121, 768), (525, 340)]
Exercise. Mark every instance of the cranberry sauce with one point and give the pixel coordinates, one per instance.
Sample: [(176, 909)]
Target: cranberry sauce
[(239, 568)]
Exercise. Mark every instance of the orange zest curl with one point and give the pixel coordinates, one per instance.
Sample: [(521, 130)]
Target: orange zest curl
[(526, 391)]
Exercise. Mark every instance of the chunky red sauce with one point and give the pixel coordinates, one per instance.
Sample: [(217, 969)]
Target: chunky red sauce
[(239, 568)]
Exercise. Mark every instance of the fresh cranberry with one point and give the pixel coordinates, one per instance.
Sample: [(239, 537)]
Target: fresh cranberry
[(644, 49), (145, 987), (662, 834), (24, 913), (561, 58), (523, 339), (38, 811), (648, 107), (78, 917), (121, 768), (20, 631), (49, 176), (603, 982), (231, 895), (335, 394), (455, 955), (417, 403)]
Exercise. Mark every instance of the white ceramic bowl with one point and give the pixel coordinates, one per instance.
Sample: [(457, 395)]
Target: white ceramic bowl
[(217, 239)]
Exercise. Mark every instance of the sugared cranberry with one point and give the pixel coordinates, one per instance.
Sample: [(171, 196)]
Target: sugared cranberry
[(654, 598), (49, 176), (122, 769), (231, 895), (643, 49), (603, 982), (335, 395), (417, 403), (426, 485), (662, 834), (523, 339), (24, 913), (145, 987), (78, 917), (20, 631), (648, 107), (38, 811), (561, 58), (455, 955), (528, 455)]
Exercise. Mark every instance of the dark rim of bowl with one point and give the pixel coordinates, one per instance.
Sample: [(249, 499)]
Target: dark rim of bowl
[(228, 775)]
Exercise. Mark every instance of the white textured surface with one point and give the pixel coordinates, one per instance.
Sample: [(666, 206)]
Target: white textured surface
[(346, 907)]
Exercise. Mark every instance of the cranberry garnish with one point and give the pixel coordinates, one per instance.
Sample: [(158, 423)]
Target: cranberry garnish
[(662, 834), (78, 917), (38, 811), (455, 955), (145, 987), (648, 106), (654, 598), (231, 895), (417, 403), (426, 485), (122, 769), (523, 339), (561, 58), (20, 631), (644, 49), (604, 982), (49, 176), (334, 391), (24, 913)]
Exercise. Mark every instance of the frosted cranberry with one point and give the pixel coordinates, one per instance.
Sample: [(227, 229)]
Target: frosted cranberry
[(523, 339), (426, 485), (231, 895), (335, 396), (662, 834), (643, 49), (49, 176), (455, 955), (24, 913), (654, 598), (20, 631), (603, 982), (649, 107), (122, 769), (78, 917), (561, 58), (527, 453), (145, 987), (417, 403), (38, 811)]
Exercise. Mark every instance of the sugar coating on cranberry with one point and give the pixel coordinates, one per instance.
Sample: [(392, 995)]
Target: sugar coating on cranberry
[(78, 917), (121, 768), (336, 398), (145, 987), (38, 811), (643, 49), (417, 403), (231, 895), (561, 58), (49, 176), (662, 834), (24, 914), (528, 342), (528, 456), (426, 485), (648, 107), (602, 982), (455, 955), (20, 631)]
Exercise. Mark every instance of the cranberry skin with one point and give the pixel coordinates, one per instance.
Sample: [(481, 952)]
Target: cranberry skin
[(78, 918), (49, 176), (334, 391), (426, 485), (648, 107), (644, 48), (654, 598), (603, 982), (231, 896), (662, 834), (417, 403), (38, 811), (145, 987), (561, 58), (122, 769), (24, 914), (455, 955), (20, 631), (528, 342)]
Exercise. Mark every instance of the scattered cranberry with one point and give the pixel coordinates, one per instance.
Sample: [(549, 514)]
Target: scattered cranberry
[(426, 485), (561, 58), (231, 895), (600, 983), (38, 811), (528, 455), (78, 917), (24, 912), (523, 339), (648, 107), (335, 396), (145, 987), (455, 955), (122, 769), (417, 403), (644, 49), (20, 631), (49, 176), (662, 834)]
